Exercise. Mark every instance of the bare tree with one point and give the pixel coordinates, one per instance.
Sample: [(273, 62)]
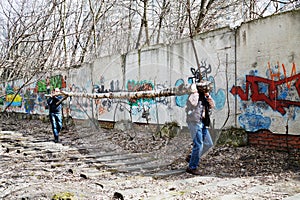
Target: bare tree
[(46, 35)]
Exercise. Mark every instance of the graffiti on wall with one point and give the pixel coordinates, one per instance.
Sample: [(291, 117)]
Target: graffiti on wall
[(205, 70), (80, 107), (162, 100), (218, 95), (30, 99), (181, 100), (278, 91), (48, 84), (143, 104), (100, 88), (17, 99), (138, 107), (11, 98), (106, 105)]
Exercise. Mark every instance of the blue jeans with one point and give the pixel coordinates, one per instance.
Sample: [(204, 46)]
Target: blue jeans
[(201, 142), (207, 141), (56, 122)]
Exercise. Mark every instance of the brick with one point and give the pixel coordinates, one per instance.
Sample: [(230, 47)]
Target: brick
[(253, 142), (293, 142), (283, 145), (297, 146), (275, 141), (263, 142)]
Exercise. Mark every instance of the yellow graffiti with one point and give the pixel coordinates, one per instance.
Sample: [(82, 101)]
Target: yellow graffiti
[(10, 98)]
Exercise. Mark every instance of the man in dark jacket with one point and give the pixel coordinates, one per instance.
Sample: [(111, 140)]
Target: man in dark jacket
[(55, 113)]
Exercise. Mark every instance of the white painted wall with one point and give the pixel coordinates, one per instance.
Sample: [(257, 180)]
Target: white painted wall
[(230, 59), (263, 46), (159, 67)]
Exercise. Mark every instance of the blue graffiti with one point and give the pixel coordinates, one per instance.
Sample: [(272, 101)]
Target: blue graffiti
[(282, 93), (253, 119), (180, 100), (263, 87), (253, 122), (14, 104), (219, 97), (29, 101), (297, 110)]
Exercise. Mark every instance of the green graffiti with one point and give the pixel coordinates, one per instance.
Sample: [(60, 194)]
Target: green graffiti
[(42, 86), (55, 82)]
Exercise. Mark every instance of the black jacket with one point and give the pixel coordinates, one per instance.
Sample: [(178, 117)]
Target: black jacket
[(53, 107)]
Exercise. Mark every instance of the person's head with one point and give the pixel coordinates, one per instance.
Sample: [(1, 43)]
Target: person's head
[(56, 90), (203, 91)]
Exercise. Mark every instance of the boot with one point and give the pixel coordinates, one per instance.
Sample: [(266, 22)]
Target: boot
[(193, 171), (56, 139)]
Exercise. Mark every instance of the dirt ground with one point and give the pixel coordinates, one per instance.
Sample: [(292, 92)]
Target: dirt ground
[(34, 167)]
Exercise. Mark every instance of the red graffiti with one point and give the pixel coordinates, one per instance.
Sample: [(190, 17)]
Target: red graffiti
[(271, 97)]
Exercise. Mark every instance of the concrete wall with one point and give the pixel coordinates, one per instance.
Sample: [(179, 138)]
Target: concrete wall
[(251, 69), (158, 67), (268, 59)]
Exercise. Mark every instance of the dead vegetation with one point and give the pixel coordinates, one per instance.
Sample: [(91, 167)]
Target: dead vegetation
[(224, 160)]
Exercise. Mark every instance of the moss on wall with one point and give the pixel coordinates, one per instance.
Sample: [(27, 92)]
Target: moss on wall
[(233, 136), (169, 130)]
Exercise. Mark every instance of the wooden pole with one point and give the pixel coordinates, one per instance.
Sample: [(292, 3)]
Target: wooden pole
[(175, 91)]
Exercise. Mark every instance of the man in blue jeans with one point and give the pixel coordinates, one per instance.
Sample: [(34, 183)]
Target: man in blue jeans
[(55, 113), (198, 106)]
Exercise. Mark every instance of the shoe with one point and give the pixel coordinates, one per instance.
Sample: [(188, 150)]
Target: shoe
[(56, 140), (193, 171), (188, 158)]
